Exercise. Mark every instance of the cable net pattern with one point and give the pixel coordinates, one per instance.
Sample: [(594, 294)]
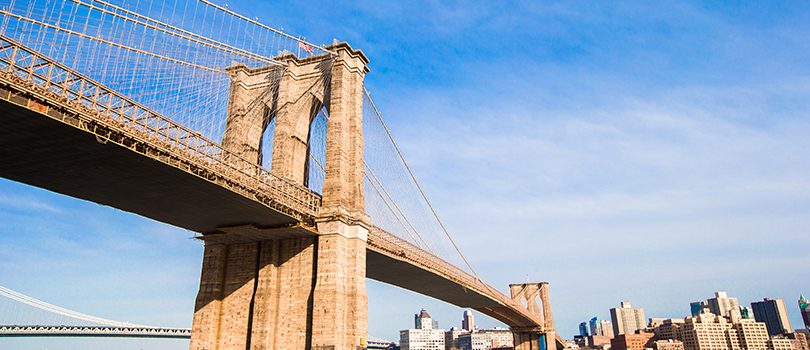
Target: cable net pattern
[(167, 55), (394, 199), (171, 56)]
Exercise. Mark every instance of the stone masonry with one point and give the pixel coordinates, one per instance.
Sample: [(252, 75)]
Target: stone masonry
[(294, 293), (531, 338)]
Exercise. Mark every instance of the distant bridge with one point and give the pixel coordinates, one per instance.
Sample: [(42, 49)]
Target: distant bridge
[(94, 331), (70, 323), (95, 327)]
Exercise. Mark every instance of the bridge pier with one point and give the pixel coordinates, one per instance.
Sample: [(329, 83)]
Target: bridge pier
[(534, 338), (297, 293), (296, 287)]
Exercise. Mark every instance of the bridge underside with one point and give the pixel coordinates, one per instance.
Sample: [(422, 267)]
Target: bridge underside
[(41, 151), (47, 153)]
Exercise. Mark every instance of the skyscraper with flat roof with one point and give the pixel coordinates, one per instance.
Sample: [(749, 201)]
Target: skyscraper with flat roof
[(583, 329), (723, 305), (596, 326), (468, 323), (720, 305), (773, 313), (626, 319)]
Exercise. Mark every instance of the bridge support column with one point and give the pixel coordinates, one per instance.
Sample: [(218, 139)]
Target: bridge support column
[(340, 302), (534, 339), (340, 317), (299, 293), (293, 293), (542, 337), (255, 295)]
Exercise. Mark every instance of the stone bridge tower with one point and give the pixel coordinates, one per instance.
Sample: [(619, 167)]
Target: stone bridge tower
[(534, 296), (292, 288)]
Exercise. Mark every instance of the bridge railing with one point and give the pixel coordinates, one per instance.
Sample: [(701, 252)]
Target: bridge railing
[(87, 98), (382, 240)]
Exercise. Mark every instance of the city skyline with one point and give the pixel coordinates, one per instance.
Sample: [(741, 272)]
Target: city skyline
[(792, 314), (663, 143)]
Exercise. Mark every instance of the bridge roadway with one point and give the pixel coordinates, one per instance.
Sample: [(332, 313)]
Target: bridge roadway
[(69, 134), (93, 331)]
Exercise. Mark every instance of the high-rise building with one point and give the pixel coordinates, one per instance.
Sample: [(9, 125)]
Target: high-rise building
[(607, 328), (596, 326), (697, 307), (583, 329), (799, 340), (804, 308), (627, 319), (723, 305), (468, 323), (708, 331), (773, 313), (423, 317), (720, 305), (425, 336), (451, 338), (751, 334), (780, 343)]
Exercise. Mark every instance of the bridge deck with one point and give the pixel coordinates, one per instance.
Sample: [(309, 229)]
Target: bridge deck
[(97, 154)]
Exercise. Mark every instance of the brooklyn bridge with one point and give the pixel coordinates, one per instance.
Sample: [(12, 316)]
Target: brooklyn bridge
[(267, 145)]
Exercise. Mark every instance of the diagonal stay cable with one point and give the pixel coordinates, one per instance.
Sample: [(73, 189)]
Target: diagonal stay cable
[(388, 202), (418, 186)]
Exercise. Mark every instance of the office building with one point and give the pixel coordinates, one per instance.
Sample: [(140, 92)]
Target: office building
[(424, 336), (595, 326), (627, 319), (799, 340), (486, 339), (780, 343), (721, 305), (697, 307), (668, 329), (607, 328), (773, 313), (468, 323), (583, 329), (451, 338), (708, 331), (638, 341)]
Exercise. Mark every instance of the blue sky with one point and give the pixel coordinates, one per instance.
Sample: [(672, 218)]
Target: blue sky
[(651, 152)]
